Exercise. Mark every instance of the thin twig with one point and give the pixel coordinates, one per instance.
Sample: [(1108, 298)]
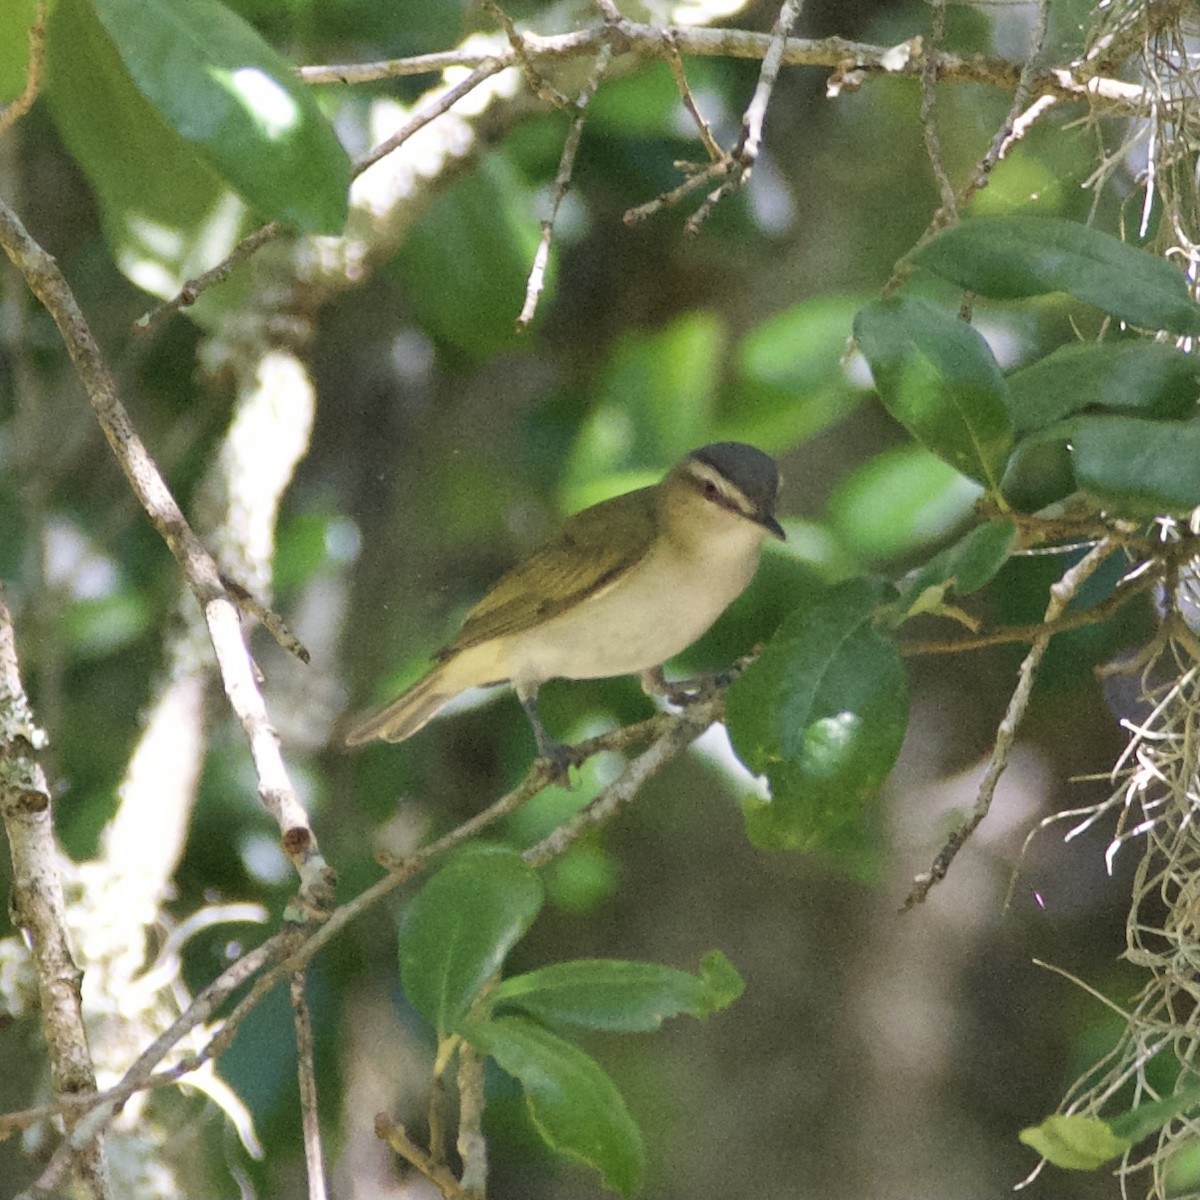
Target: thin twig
[(929, 132), (675, 62), (13, 112), (562, 182), (253, 242), (684, 729), (749, 145), (314, 1160), (442, 104), (46, 281), (270, 620), (1019, 121), (1061, 594), (397, 1138), (541, 87), (1014, 634)]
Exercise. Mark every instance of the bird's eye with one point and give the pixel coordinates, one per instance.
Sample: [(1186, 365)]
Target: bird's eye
[(711, 491)]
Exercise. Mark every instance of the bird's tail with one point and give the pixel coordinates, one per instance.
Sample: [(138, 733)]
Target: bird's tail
[(407, 713)]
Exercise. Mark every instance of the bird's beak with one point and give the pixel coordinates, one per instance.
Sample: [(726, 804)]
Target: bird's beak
[(771, 525)]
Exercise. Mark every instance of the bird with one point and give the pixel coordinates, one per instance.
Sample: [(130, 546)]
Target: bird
[(624, 586)]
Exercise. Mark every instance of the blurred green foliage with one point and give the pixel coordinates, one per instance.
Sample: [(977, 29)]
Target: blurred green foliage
[(447, 445)]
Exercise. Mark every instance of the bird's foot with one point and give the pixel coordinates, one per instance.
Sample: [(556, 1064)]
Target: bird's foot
[(557, 758), (682, 692)]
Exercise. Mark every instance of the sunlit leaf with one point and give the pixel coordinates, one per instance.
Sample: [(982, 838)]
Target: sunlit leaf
[(221, 88), (1078, 1143), (822, 714)]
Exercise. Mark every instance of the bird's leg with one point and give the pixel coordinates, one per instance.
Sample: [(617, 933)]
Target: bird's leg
[(559, 755), (683, 692)]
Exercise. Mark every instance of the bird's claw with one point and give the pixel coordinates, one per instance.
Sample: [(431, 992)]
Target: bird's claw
[(557, 759)]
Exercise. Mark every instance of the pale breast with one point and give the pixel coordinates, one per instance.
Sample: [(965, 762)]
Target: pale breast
[(649, 615)]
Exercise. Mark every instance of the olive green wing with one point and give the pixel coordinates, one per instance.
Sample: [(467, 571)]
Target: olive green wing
[(591, 551)]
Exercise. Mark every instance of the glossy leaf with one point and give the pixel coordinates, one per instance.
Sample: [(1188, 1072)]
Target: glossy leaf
[(166, 213), (460, 927), (937, 377), (1138, 467), (221, 88), (574, 1105), (1147, 378), (1078, 1143), (618, 996), (963, 568), (1011, 257), (822, 714)]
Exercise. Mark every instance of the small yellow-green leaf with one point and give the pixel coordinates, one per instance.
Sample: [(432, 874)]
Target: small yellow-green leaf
[(1078, 1143)]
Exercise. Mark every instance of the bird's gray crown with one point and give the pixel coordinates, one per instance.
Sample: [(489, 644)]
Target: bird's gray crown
[(751, 471)]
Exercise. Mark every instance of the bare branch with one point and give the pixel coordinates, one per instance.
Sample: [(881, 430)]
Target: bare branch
[(275, 790), (928, 125), (309, 1115), (36, 899), (562, 181)]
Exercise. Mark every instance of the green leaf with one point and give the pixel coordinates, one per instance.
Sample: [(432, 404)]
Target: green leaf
[(1011, 257), (1148, 378), (618, 996), (900, 501), (572, 1102), (937, 377), (1077, 1143), (822, 714), (1149, 1118), (221, 88), (166, 214), (963, 568), (1040, 470), (1139, 468), (460, 927)]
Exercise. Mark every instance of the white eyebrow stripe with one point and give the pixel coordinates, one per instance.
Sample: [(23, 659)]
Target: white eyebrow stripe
[(733, 496)]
